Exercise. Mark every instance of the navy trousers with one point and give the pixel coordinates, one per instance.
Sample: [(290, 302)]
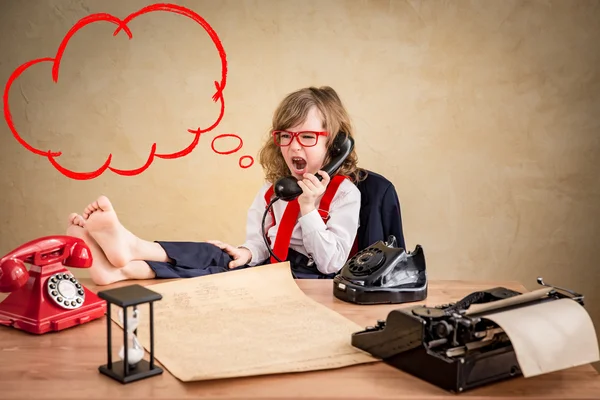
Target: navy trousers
[(194, 259)]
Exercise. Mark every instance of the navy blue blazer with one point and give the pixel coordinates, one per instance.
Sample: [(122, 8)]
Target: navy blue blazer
[(380, 214)]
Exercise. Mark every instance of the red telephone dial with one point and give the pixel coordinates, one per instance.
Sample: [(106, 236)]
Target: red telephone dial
[(48, 297)]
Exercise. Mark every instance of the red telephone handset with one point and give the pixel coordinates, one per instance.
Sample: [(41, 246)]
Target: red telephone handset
[(48, 297)]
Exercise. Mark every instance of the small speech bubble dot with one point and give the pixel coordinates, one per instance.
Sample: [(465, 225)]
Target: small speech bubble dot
[(246, 166), (241, 161)]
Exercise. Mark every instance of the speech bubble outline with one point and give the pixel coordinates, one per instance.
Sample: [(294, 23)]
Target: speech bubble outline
[(121, 26)]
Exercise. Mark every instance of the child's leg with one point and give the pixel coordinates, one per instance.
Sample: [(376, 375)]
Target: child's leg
[(102, 271), (120, 246), (116, 248), (190, 259)]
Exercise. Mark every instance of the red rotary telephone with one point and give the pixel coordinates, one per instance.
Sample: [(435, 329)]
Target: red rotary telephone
[(48, 297)]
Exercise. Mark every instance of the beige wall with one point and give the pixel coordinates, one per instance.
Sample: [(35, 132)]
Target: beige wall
[(484, 114)]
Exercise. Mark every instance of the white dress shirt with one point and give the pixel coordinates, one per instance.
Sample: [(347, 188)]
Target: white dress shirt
[(327, 244)]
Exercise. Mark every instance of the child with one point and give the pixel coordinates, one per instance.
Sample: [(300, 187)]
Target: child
[(303, 129)]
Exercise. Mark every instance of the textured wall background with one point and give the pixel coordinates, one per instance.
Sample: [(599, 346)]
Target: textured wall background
[(485, 115)]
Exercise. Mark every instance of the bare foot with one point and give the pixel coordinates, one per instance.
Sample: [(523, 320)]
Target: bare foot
[(102, 224), (101, 271)]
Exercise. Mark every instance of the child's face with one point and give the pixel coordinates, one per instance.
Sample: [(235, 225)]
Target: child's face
[(299, 159)]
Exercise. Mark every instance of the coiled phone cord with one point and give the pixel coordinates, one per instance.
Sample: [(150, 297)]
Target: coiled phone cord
[(264, 234)]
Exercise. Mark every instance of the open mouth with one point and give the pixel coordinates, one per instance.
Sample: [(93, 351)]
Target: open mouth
[(299, 164)]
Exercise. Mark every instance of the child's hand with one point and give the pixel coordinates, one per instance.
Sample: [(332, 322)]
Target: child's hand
[(241, 255), (312, 188)]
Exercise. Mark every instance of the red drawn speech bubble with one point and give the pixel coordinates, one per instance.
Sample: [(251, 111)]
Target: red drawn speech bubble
[(121, 26)]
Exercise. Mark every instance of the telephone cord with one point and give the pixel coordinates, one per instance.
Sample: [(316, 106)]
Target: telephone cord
[(264, 234)]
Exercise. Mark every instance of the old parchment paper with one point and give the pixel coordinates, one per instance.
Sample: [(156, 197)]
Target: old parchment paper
[(247, 322)]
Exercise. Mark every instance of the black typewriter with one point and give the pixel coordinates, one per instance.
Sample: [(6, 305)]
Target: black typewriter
[(449, 345)]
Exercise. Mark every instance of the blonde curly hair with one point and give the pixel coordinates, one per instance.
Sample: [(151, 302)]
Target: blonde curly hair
[(292, 111)]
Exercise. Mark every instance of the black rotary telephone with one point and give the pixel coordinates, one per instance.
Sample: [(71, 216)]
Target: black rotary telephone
[(383, 273), (287, 188)]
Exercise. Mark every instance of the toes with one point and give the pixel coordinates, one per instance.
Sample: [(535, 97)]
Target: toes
[(72, 217), (78, 220), (89, 210), (104, 203)]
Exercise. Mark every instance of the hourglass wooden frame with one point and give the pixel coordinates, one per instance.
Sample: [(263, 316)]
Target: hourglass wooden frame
[(124, 297)]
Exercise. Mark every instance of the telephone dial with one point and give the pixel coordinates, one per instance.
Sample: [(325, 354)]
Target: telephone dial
[(383, 274), (287, 188), (47, 297)]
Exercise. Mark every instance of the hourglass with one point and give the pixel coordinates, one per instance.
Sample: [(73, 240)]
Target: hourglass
[(135, 351), (132, 366)]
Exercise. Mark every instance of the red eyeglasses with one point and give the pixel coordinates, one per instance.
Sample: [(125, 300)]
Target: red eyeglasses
[(305, 138)]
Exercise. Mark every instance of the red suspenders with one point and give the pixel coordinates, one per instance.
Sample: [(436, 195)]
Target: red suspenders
[(332, 188)]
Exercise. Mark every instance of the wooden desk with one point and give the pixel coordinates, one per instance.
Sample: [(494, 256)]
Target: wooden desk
[(65, 365)]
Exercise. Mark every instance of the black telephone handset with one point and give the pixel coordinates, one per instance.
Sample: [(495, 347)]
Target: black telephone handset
[(287, 188)]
